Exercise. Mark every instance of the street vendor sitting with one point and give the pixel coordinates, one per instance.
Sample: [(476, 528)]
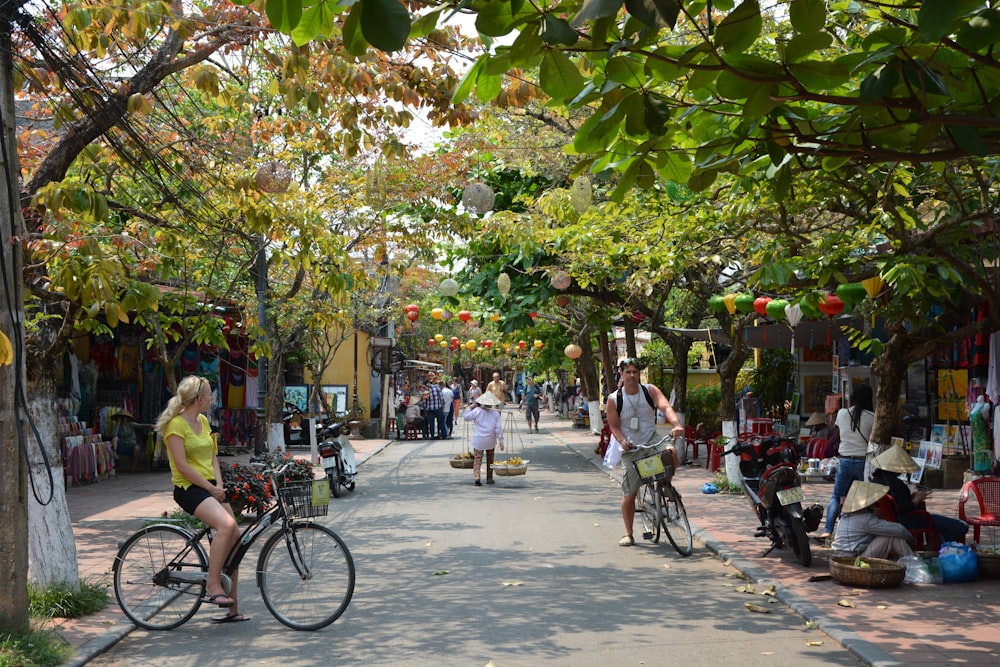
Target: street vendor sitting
[(860, 533), (887, 468), (124, 437), (414, 417)]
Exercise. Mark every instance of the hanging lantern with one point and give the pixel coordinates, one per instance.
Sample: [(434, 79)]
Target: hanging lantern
[(478, 198), (488, 344), (503, 284), (412, 315), (831, 305), (776, 309), (810, 307), (521, 344), (744, 302), (274, 176), (438, 337), (717, 304), (541, 346), (443, 343), (793, 313), (437, 313), (873, 285), (538, 344), (561, 280), (581, 195), (447, 315), (465, 316), (412, 306), (453, 340), (562, 300), (454, 347), (638, 317), (760, 304), (851, 294), (448, 287), (431, 342), (470, 345), (573, 351), (729, 302)]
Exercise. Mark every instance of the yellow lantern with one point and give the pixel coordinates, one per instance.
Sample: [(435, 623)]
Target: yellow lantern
[(438, 337), (443, 343), (873, 285), (437, 313), (729, 300), (470, 345), (538, 344)]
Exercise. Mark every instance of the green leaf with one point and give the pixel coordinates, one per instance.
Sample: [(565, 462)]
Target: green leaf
[(800, 46), (488, 86), (834, 163), (702, 179), (596, 9), (934, 18), (558, 31), (284, 15), (759, 102), (656, 114), (468, 82), (807, 16), (317, 21), (820, 75), (782, 183), (878, 85), (981, 32), (494, 18), (526, 51), (924, 78), (968, 139), (385, 24), (559, 77), (740, 29), (654, 13), (626, 70)]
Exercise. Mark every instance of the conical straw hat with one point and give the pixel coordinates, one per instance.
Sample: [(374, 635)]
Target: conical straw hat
[(816, 419), (895, 459), (488, 399), (862, 495)]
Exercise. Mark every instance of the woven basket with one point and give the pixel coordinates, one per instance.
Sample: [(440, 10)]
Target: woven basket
[(508, 470), (882, 573), (460, 463), (302, 502), (989, 566)]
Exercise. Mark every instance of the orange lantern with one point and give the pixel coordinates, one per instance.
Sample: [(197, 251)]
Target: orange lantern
[(831, 304), (538, 344), (573, 351)]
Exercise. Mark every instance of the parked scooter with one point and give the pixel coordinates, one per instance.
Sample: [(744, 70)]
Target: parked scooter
[(337, 457), (772, 484)]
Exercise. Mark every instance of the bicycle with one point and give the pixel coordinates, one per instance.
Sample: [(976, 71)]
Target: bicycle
[(658, 503), (305, 572)]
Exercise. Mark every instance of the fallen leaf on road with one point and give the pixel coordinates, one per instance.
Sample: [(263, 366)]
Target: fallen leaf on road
[(440, 572), (666, 566), (756, 607), (770, 591), (428, 544), (597, 525), (746, 589), (814, 642), (513, 583), (847, 603), (882, 606), (811, 625), (767, 652)]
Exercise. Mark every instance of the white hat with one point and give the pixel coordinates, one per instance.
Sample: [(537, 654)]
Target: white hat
[(414, 400), (488, 399), (895, 459), (474, 382), (862, 495)]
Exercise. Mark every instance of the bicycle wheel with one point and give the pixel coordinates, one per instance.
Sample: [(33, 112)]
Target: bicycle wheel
[(646, 507), (675, 520), (306, 576), (158, 577)]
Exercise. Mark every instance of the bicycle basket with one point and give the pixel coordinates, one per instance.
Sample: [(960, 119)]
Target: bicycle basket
[(304, 499), (651, 467)]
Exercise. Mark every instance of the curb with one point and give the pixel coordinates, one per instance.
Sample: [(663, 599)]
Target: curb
[(862, 649)]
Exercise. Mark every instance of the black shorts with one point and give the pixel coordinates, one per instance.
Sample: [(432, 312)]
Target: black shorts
[(190, 498)]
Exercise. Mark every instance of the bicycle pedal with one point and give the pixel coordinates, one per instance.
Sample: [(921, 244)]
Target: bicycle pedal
[(648, 535), (760, 533)]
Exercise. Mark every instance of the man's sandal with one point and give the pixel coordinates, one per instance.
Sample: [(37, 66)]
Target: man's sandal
[(626, 541)]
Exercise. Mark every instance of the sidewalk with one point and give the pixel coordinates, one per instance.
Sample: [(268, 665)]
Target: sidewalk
[(908, 625)]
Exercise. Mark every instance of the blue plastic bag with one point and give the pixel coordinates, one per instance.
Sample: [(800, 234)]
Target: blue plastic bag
[(708, 487), (958, 563)]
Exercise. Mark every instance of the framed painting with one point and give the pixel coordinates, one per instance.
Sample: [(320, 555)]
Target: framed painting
[(297, 395)]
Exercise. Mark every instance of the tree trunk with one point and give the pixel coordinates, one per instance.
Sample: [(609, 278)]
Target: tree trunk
[(13, 481), (51, 545), (591, 384), (607, 361), (889, 370), (679, 347)]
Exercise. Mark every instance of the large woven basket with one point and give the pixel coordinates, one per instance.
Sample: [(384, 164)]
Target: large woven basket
[(881, 573), (508, 470), (460, 463)]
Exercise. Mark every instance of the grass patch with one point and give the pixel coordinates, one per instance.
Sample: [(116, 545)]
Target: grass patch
[(62, 601), (179, 518), (35, 648), (722, 483)]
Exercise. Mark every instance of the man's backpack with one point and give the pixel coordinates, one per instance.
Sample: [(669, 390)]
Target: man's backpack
[(619, 398)]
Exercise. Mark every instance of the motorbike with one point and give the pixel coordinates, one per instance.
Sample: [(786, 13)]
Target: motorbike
[(337, 457), (772, 485)]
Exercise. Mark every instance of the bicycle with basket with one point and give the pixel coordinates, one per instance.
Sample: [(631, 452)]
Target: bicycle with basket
[(305, 572), (658, 503)]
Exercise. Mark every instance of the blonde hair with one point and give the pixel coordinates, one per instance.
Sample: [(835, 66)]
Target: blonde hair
[(187, 393)]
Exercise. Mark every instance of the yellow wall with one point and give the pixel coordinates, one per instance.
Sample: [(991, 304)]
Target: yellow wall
[(341, 371), (699, 378)]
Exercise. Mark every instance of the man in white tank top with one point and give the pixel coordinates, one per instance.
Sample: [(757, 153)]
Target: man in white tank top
[(636, 425)]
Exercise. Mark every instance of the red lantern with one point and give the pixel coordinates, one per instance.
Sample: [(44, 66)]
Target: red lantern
[(411, 307), (488, 344), (453, 340), (412, 315), (831, 304), (532, 315), (464, 315), (562, 300), (521, 344), (760, 304), (431, 342)]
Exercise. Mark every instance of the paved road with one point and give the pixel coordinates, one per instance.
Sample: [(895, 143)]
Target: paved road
[(525, 572)]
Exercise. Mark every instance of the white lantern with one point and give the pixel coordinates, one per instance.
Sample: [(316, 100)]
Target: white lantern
[(503, 284), (449, 287), (274, 176), (580, 194), (478, 198), (561, 280)]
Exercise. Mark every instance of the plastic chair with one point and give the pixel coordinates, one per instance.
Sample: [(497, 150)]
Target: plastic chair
[(693, 439), (987, 494), (925, 537)]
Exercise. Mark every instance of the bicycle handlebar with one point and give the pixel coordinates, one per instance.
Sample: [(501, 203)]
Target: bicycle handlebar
[(654, 445)]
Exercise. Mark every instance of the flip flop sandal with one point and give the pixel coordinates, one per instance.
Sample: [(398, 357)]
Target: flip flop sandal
[(220, 599), (626, 541), (230, 618)]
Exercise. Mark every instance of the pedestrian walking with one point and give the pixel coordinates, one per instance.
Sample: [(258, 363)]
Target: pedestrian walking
[(487, 434)]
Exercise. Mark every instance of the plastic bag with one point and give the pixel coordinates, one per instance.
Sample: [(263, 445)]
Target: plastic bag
[(917, 571), (958, 563), (613, 455)]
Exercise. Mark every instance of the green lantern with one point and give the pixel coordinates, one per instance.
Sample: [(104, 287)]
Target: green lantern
[(852, 293), (717, 304), (744, 303), (776, 309), (810, 306)]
